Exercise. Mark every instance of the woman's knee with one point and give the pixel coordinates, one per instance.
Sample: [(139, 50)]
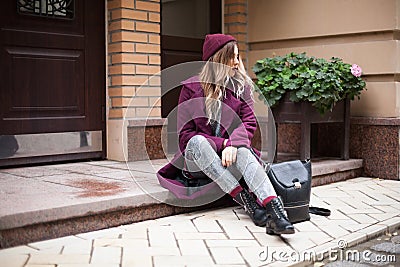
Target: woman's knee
[(245, 157), (201, 143), (196, 140), (243, 152)]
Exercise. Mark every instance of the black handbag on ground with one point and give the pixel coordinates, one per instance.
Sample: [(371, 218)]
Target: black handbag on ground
[(292, 182)]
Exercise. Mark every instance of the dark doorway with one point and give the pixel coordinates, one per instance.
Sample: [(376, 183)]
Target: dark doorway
[(184, 26), (52, 69)]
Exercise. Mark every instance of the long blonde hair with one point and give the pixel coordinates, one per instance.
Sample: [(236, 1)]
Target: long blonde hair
[(215, 76)]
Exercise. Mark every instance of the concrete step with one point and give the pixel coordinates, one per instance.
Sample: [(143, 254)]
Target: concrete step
[(44, 202)]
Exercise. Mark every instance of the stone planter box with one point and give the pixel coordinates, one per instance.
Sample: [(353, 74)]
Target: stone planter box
[(306, 115)]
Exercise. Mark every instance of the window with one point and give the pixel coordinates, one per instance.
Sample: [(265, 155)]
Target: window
[(47, 8)]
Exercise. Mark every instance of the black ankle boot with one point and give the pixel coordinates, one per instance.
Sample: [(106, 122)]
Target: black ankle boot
[(257, 213), (277, 222)]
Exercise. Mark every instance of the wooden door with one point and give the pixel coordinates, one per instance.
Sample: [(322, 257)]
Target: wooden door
[(52, 68)]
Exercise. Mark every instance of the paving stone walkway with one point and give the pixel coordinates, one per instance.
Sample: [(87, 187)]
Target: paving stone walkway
[(362, 208)]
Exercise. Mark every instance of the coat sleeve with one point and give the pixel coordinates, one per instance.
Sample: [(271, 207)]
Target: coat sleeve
[(244, 132), (186, 123)]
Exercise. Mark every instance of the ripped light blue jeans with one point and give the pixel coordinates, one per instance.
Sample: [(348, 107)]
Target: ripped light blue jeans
[(200, 156)]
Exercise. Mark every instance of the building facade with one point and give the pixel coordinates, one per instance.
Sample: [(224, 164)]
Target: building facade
[(143, 37)]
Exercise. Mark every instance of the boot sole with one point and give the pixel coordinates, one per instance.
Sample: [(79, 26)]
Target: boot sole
[(260, 225), (284, 232)]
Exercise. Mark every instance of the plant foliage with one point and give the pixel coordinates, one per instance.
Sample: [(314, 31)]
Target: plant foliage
[(305, 78)]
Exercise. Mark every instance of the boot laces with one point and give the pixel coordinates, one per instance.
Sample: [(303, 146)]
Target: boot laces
[(250, 205), (278, 208)]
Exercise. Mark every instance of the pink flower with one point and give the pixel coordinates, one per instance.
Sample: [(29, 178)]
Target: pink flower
[(356, 70)]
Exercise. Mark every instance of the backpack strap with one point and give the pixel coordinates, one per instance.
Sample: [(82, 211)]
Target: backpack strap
[(320, 211)]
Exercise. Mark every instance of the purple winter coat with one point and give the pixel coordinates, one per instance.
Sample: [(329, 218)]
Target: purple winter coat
[(238, 124)]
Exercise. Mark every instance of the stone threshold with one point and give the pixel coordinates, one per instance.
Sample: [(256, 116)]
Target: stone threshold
[(326, 171), (21, 227)]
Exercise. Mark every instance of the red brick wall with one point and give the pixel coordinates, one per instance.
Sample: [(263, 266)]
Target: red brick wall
[(133, 58), (235, 23)]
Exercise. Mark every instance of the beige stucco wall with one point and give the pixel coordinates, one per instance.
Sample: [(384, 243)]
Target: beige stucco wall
[(375, 104), (283, 19), (398, 14), (364, 32), (377, 57)]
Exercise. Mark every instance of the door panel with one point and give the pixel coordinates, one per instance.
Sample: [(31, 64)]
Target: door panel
[(34, 74)]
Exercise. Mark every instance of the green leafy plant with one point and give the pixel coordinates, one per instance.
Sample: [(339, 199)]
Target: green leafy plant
[(305, 78)]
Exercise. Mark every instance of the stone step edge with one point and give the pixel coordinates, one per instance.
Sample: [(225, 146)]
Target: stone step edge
[(322, 174), (328, 166), (94, 222), (14, 229)]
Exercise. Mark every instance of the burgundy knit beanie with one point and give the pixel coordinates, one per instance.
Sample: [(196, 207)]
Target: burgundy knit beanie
[(214, 42)]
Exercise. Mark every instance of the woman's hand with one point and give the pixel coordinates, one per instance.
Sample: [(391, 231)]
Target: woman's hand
[(228, 156)]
